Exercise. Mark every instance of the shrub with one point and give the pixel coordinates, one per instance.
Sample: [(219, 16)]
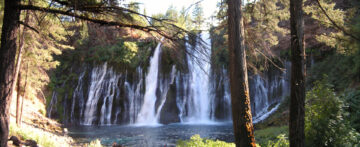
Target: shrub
[(342, 70), (197, 141), (281, 142), (352, 99), (325, 123), (270, 134)]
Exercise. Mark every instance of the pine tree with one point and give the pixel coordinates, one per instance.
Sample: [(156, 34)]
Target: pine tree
[(198, 16), (240, 96), (297, 90)]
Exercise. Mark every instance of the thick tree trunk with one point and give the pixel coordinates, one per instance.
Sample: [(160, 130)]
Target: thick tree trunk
[(7, 58), (18, 99), (297, 102), (240, 98)]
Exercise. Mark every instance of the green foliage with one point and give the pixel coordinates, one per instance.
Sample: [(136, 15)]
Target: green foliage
[(265, 16), (197, 141), (271, 135), (352, 99), (172, 16), (120, 53), (276, 140), (219, 49), (281, 142), (342, 70), (40, 48), (343, 18), (325, 123), (198, 16), (262, 29)]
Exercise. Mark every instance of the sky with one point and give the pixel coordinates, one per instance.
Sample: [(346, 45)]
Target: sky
[(160, 6)]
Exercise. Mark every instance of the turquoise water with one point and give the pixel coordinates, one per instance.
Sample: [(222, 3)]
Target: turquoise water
[(144, 136)]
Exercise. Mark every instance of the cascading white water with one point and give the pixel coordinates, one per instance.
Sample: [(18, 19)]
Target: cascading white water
[(276, 89), (260, 96), (78, 93), (110, 97), (197, 101), (106, 108), (147, 114), (52, 103), (103, 85), (97, 77)]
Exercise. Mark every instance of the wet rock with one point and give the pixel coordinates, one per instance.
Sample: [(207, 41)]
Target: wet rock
[(170, 111)]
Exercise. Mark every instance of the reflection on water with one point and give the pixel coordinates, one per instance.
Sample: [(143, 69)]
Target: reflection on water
[(166, 135)]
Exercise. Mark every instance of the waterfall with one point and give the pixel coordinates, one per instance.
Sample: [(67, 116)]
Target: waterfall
[(267, 92), (78, 93), (260, 94), (106, 108), (135, 97), (197, 102), (165, 87), (103, 85), (104, 96), (147, 114), (52, 103)]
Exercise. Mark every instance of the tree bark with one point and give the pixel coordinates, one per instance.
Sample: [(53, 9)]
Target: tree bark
[(297, 94), (17, 70), (240, 98), (18, 99), (7, 58)]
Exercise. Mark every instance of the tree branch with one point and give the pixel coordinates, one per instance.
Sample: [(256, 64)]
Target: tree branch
[(102, 22), (28, 26), (334, 23)]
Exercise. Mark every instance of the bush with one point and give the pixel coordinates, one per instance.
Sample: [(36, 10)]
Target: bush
[(270, 134), (281, 142), (197, 141), (352, 99), (342, 70), (325, 123)]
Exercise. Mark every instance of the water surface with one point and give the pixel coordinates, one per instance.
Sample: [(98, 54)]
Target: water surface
[(143, 136)]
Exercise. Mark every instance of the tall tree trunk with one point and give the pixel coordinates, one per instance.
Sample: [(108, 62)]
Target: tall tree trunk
[(17, 70), (24, 93), (18, 99), (7, 56), (240, 98), (297, 102)]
